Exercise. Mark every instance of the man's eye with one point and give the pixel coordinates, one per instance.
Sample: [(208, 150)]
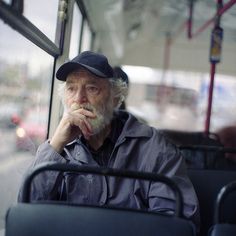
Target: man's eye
[(92, 89), (70, 89)]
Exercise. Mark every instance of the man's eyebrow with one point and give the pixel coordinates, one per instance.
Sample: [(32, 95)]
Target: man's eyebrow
[(70, 82), (92, 81)]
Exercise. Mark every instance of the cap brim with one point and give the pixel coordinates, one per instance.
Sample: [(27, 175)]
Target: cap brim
[(68, 67)]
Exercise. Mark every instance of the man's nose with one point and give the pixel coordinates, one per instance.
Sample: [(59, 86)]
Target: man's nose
[(81, 96)]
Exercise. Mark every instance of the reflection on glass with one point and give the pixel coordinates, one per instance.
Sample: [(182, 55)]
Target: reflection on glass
[(25, 80), (33, 11), (75, 32)]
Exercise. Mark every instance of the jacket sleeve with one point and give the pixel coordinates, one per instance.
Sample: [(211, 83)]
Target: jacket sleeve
[(45, 185), (170, 163)]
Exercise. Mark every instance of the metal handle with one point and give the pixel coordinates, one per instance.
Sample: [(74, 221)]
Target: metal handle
[(52, 166)]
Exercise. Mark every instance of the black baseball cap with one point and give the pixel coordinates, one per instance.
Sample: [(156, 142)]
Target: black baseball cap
[(95, 63)]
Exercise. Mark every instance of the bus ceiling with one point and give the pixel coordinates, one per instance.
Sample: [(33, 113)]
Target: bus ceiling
[(133, 32)]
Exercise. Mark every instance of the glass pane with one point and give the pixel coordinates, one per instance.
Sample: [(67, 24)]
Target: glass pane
[(75, 32), (25, 80), (178, 100), (87, 37), (224, 101), (47, 21)]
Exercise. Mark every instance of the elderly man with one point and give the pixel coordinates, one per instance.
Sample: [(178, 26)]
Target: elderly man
[(93, 132)]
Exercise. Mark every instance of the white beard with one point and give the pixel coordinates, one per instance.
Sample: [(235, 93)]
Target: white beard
[(103, 117)]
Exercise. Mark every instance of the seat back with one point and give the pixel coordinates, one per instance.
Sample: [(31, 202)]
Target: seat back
[(63, 220), (193, 146), (222, 227), (223, 230), (207, 184), (201, 150), (191, 138), (27, 219)]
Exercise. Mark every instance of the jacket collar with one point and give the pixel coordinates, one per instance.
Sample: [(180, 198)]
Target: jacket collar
[(79, 152), (132, 126)]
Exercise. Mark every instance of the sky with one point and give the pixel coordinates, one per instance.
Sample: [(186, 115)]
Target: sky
[(14, 48)]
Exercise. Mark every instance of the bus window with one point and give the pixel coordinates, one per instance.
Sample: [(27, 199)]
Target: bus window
[(47, 23), (25, 83), (75, 32), (165, 106), (87, 37), (181, 102), (224, 101)]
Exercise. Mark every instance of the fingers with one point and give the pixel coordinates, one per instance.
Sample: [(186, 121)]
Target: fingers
[(86, 113), (78, 108), (88, 126), (79, 118)]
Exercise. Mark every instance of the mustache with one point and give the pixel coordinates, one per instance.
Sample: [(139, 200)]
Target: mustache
[(88, 107)]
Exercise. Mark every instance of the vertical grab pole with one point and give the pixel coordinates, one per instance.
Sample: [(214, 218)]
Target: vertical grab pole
[(210, 95), (190, 19), (215, 54)]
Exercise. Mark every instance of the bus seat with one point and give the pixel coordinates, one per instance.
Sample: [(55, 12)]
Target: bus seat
[(222, 227), (208, 157), (223, 230), (61, 219), (26, 219), (196, 158), (191, 138), (207, 184)]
